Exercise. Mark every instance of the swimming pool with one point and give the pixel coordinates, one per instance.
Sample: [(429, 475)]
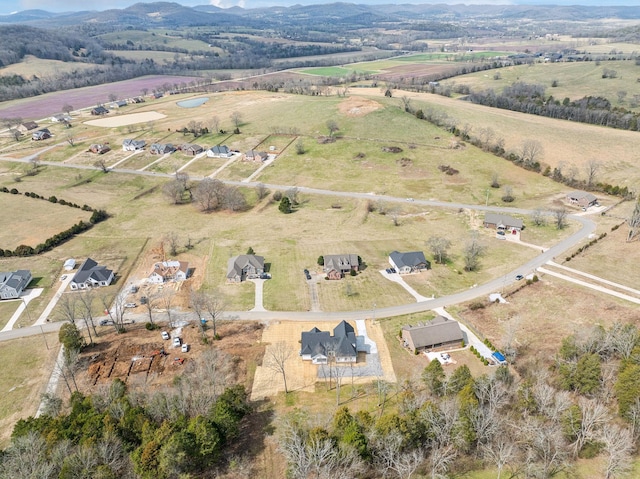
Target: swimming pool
[(193, 102)]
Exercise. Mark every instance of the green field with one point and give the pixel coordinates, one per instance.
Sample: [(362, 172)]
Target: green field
[(151, 38)]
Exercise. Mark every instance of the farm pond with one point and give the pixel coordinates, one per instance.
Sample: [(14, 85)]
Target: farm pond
[(193, 102)]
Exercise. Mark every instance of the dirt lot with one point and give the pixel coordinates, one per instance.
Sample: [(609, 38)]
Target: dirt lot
[(124, 120), (142, 358), (356, 107), (302, 375)]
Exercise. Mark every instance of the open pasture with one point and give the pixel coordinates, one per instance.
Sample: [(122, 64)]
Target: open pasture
[(128, 119), (32, 66), (566, 144), (50, 219), (142, 38), (574, 80)]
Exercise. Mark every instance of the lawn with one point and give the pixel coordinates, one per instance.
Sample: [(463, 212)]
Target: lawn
[(24, 381), (51, 219)]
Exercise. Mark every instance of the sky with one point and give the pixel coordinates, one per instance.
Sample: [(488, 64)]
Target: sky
[(9, 6)]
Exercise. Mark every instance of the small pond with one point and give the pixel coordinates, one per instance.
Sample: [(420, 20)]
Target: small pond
[(193, 102)]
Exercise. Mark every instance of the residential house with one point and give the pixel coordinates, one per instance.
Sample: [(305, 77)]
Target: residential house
[(161, 148), (219, 151), (191, 149), (27, 126), (502, 222), (91, 275), (137, 99), (254, 155), (118, 104), (62, 118), (337, 265), (439, 333), (410, 262), (13, 283), (582, 199), (243, 267), (164, 271), (99, 111), (318, 346), (99, 149), (158, 94), (133, 145), (42, 134)]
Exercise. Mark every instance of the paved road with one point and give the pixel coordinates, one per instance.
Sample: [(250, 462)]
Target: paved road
[(497, 284)]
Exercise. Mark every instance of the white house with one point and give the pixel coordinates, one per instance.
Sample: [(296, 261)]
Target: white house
[(133, 145), (164, 271), (219, 151), (91, 275), (13, 283)]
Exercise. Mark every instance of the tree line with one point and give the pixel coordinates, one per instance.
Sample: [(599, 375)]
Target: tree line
[(582, 403), (531, 99)]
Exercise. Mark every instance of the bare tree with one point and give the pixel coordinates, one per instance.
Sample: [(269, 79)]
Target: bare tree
[(206, 194), (172, 241), (236, 119), (149, 305), (501, 452), (495, 182), (634, 223), (276, 357), (214, 306), (439, 247), (198, 301), (68, 307), (87, 298), (406, 103), (333, 127), (261, 191), (593, 417), (618, 446), (214, 124), (560, 217), (67, 108), (508, 197), (234, 200), (538, 217), (71, 139), (592, 168), (473, 250), (394, 212), (292, 194), (102, 164), (440, 460), (166, 299), (113, 96), (531, 152)]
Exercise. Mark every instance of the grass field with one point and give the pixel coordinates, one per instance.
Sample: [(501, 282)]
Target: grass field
[(334, 71), (566, 144), (140, 55), (32, 66), (575, 80), (51, 219)]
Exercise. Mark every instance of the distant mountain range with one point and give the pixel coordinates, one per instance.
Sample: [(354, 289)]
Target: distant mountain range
[(168, 14)]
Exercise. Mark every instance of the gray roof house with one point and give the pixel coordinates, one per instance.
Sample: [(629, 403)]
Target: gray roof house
[(439, 333), (582, 198), (41, 134), (27, 126), (219, 151), (502, 222), (244, 266), (13, 283), (91, 275), (408, 262), (336, 265), (191, 149), (133, 145), (317, 346), (161, 148), (99, 110)]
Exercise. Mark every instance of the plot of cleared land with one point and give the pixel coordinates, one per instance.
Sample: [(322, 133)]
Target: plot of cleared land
[(302, 375), (124, 120)]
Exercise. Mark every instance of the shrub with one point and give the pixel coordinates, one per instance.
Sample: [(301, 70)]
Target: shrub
[(476, 305), (151, 326), (14, 191), (353, 272), (53, 199)]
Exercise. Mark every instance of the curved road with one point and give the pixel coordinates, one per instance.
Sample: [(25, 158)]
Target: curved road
[(492, 286)]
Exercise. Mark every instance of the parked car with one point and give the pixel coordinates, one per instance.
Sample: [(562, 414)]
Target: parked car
[(165, 335), (104, 322), (519, 277), (185, 348), (143, 300), (308, 276), (134, 289), (130, 305), (64, 276), (176, 342)]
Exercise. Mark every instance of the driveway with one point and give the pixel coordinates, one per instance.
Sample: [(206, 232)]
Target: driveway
[(396, 278), (52, 304), (26, 296), (313, 292), (258, 304)]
